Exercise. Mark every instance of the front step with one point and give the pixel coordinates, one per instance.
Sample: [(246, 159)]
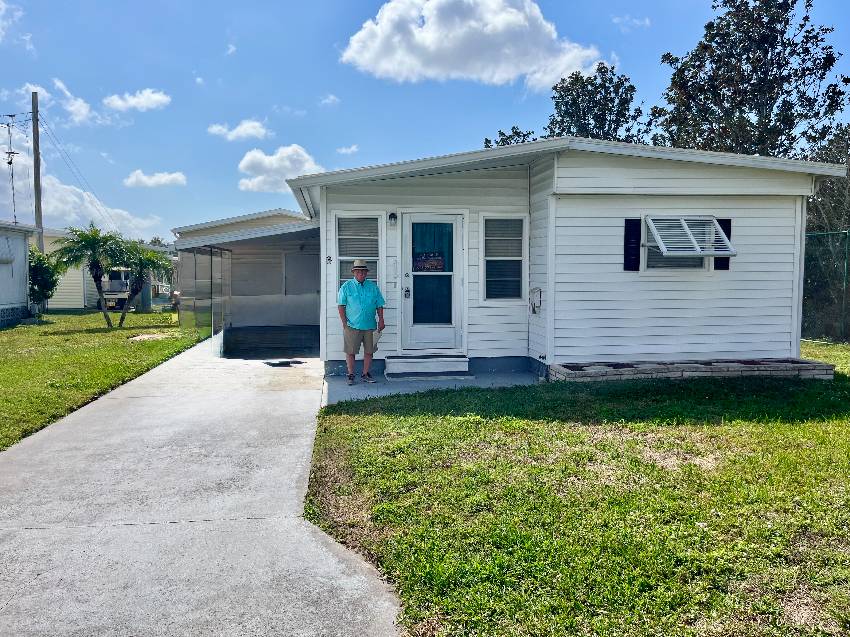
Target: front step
[(428, 376), (427, 364)]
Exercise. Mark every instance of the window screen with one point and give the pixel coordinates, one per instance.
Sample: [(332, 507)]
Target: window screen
[(503, 255), (357, 238)]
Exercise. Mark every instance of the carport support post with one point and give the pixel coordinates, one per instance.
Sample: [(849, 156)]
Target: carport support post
[(844, 289)]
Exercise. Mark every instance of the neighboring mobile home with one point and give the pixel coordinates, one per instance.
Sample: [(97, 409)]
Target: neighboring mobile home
[(14, 272), (558, 251)]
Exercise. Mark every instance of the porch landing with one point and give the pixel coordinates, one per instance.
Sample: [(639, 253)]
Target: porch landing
[(336, 390)]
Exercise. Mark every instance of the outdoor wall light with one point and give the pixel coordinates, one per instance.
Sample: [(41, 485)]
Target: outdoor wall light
[(392, 218)]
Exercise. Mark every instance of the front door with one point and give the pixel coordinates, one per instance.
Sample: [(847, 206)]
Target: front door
[(432, 263)]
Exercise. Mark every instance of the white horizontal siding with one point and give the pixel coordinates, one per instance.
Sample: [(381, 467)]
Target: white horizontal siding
[(606, 314), (13, 276), (541, 184), (70, 293), (491, 331), (581, 172)]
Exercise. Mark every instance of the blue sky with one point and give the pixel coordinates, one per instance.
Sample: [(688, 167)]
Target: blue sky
[(147, 98)]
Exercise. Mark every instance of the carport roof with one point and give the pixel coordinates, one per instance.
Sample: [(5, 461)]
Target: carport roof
[(217, 238)]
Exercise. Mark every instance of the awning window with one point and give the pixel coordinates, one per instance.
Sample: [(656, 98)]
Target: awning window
[(690, 237)]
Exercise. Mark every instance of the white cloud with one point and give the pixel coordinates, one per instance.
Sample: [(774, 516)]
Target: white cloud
[(489, 41), (626, 22), (107, 157), (26, 38), (231, 49), (66, 205), (45, 98), (348, 150), (329, 100), (199, 80), (289, 110), (138, 179), (9, 14), (144, 100), (246, 129), (268, 173), (77, 108)]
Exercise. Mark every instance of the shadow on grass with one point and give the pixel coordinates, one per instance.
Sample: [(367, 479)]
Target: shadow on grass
[(107, 330), (695, 401)]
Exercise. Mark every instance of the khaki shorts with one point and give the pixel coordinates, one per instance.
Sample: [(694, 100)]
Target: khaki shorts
[(354, 338)]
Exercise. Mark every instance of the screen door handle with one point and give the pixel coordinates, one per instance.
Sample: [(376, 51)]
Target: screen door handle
[(407, 293)]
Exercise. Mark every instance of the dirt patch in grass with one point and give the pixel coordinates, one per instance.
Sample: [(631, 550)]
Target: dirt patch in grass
[(156, 336), (802, 610)]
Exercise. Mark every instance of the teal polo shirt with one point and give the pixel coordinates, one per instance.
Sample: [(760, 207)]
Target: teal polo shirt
[(360, 301)]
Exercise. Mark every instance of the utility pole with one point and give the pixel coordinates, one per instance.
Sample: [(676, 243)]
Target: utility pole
[(36, 170)]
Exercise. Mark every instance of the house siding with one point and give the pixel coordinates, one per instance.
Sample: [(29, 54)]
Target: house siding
[(541, 184), (492, 329), (581, 172), (604, 313), (14, 276)]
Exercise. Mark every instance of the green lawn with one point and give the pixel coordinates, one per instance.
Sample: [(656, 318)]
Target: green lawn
[(51, 369), (698, 507)]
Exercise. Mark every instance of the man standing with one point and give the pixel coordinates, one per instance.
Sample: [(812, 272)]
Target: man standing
[(358, 300)]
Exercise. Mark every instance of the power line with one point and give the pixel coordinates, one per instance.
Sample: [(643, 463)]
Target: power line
[(10, 154), (76, 172)]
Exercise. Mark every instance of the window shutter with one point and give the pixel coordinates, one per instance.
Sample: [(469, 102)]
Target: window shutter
[(722, 263), (631, 245)]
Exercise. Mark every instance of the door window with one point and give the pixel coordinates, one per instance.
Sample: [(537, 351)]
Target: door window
[(432, 253)]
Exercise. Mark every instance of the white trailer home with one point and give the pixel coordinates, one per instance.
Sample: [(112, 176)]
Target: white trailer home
[(14, 272), (568, 251)]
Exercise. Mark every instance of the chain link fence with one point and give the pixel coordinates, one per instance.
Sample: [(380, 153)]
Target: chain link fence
[(825, 293)]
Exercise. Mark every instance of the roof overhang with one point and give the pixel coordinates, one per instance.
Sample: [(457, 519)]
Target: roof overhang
[(18, 227), (307, 188), (218, 238), (217, 223)]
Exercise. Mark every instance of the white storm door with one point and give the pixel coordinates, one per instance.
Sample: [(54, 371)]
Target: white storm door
[(431, 294)]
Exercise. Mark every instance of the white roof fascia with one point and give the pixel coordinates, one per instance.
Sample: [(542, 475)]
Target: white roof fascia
[(239, 235), (229, 220), (458, 160), (20, 227), (708, 157)]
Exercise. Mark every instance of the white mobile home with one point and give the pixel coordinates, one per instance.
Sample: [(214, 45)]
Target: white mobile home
[(567, 251), (14, 272)]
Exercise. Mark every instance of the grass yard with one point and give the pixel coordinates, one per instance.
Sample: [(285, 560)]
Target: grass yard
[(51, 369), (698, 507)]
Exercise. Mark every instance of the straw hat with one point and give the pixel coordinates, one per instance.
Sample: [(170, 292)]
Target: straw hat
[(359, 264)]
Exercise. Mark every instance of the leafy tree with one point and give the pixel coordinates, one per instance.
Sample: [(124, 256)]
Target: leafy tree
[(597, 106), (44, 275), (95, 249), (142, 263), (157, 241), (829, 208), (516, 136), (760, 81)]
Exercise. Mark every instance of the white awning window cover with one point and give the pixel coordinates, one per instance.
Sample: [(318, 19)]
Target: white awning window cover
[(690, 237)]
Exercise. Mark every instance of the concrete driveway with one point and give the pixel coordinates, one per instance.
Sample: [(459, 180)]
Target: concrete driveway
[(172, 506)]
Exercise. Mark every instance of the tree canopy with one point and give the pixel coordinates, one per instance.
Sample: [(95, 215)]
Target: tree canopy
[(760, 81)]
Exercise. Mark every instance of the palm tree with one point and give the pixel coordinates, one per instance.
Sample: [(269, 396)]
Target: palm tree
[(142, 263), (95, 249)]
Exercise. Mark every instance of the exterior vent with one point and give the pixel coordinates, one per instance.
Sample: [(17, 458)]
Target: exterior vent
[(690, 237)]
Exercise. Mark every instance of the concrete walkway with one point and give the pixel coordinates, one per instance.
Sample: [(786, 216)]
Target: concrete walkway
[(172, 506)]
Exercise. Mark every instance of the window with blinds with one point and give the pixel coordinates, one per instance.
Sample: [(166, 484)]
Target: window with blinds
[(503, 258), (357, 238)]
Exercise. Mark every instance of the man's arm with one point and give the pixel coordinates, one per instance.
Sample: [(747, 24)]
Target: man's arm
[(380, 319), (341, 309)]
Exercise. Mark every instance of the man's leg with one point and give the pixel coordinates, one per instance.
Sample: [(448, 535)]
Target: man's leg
[(367, 362), (349, 362)]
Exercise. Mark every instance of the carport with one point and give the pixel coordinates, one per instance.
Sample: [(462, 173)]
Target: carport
[(252, 283)]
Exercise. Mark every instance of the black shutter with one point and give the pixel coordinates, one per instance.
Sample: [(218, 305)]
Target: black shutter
[(631, 245), (722, 263)]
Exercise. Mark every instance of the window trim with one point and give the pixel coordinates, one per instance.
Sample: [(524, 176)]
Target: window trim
[(380, 215), (483, 301)]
